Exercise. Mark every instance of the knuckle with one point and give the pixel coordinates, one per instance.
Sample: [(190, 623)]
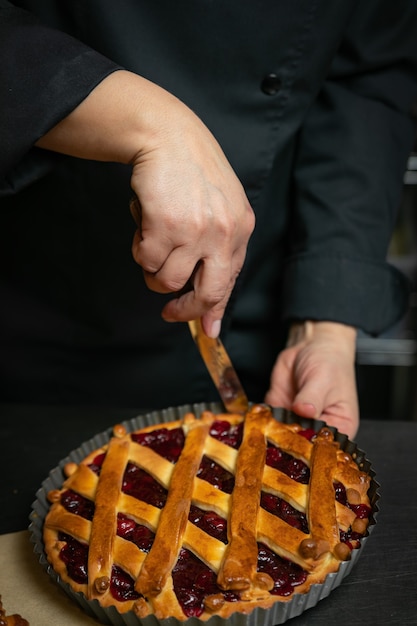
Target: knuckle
[(250, 218), (153, 284), (149, 267), (216, 297), (172, 285), (237, 228), (212, 299), (166, 284)]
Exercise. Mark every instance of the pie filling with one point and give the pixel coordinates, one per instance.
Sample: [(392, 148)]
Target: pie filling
[(193, 580)]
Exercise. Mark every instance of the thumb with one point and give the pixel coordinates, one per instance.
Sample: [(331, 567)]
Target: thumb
[(308, 402)]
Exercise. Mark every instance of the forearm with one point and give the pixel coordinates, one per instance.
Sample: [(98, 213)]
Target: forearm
[(123, 113), (112, 122)]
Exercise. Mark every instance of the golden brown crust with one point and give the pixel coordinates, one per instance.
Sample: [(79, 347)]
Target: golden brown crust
[(238, 569), (324, 529), (318, 552), (103, 527)]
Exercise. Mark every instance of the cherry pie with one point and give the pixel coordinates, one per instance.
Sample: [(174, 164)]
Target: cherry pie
[(207, 516)]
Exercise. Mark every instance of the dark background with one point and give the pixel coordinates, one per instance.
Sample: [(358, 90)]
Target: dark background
[(387, 365)]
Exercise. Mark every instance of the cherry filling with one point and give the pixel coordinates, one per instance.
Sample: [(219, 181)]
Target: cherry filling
[(95, 466), (75, 556), (227, 433), (77, 504), (279, 507), (141, 485), (287, 464), (167, 443), (193, 582), (308, 433), (216, 475), (122, 585), (285, 574), (138, 534), (362, 511), (210, 522)]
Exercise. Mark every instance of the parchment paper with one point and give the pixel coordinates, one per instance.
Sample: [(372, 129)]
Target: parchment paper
[(26, 588)]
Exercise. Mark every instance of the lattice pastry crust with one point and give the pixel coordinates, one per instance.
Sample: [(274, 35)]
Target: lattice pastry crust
[(318, 551)]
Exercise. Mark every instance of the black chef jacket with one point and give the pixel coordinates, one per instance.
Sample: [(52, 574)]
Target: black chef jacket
[(312, 102)]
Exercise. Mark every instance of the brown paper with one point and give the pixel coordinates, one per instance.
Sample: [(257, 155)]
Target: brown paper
[(26, 588)]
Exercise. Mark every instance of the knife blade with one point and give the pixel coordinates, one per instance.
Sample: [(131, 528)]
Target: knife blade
[(220, 369)]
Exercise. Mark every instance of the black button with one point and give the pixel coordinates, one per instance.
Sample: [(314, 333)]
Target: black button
[(271, 84)]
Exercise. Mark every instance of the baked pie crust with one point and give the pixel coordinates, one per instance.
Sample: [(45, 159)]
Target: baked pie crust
[(330, 526)]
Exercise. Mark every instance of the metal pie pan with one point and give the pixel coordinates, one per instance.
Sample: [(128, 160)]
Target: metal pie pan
[(280, 612)]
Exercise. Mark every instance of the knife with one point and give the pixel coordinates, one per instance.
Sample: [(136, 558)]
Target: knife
[(220, 369)]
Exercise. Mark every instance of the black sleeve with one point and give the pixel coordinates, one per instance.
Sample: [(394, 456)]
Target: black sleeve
[(351, 159), (44, 75)]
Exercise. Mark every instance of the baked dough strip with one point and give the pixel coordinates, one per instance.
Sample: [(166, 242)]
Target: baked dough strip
[(104, 524), (238, 569), (323, 524), (163, 554)]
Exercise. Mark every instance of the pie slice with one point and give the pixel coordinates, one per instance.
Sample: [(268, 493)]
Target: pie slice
[(207, 516)]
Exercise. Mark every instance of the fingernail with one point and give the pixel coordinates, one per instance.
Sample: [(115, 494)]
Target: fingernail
[(309, 408), (306, 409), (215, 329)]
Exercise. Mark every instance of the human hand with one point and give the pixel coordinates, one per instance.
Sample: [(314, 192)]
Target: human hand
[(315, 375), (195, 218)]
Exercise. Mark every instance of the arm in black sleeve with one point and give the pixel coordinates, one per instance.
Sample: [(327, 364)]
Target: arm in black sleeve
[(352, 154), (44, 75)]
